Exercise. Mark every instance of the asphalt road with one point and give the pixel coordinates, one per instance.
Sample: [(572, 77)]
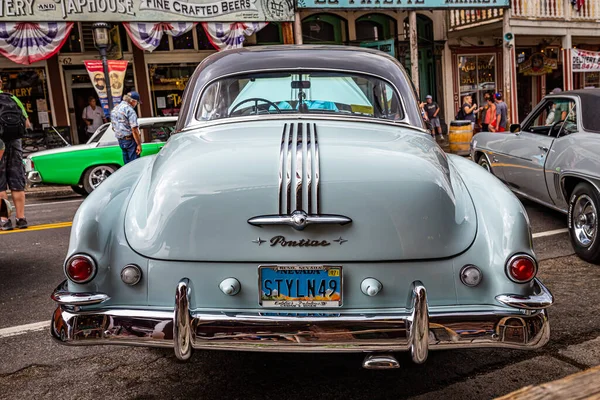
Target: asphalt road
[(33, 366)]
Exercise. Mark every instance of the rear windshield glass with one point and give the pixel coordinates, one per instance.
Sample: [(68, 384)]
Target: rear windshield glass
[(300, 92)]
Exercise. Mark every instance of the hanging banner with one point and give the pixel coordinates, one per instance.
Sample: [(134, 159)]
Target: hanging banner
[(585, 61), (404, 4), (538, 64), (230, 36), (147, 35), (96, 72), (27, 43), (387, 46), (147, 10), (116, 73)]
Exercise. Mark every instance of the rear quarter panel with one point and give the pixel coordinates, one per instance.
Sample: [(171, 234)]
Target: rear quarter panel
[(576, 155)]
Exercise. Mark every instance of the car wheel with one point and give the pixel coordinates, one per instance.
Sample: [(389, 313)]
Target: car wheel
[(584, 204), (94, 176), (484, 163), (79, 190)]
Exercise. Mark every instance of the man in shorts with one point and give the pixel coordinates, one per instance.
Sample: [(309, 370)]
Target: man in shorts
[(432, 109), (12, 175)]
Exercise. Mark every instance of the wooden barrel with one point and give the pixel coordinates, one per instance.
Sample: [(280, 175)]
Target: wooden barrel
[(459, 137)]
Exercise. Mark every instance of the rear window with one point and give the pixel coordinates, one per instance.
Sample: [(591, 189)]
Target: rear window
[(300, 92)]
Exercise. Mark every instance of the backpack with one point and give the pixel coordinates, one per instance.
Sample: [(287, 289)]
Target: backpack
[(460, 115), (12, 120)]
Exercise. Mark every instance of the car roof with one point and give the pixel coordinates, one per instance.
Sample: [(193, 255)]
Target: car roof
[(590, 102), (289, 57)]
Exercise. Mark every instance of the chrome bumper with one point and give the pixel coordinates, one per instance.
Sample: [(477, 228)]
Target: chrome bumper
[(34, 177), (183, 329)]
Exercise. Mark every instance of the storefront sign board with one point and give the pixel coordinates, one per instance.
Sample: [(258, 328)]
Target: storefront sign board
[(387, 46), (147, 10), (538, 64), (585, 61), (404, 4)]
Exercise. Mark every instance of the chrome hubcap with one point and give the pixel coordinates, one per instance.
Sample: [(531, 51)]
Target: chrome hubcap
[(485, 165), (585, 220), (99, 175)]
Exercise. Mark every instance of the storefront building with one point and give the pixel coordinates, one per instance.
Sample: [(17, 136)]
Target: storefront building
[(415, 33), (161, 55), (532, 44)]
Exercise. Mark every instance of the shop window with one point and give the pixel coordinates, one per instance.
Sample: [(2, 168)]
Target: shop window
[(184, 42), (203, 42), (591, 80), (167, 82), (124, 36), (73, 43), (31, 87), (373, 27), (270, 34), (164, 44), (477, 76), (368, 31), (324, 28)]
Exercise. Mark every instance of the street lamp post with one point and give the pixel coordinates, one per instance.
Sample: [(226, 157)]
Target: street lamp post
[(102, 41)]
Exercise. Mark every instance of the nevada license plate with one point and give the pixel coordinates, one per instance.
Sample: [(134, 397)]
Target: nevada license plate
[(300, 286)]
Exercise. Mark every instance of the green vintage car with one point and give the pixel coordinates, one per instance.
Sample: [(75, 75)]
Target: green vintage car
[(85, 166)]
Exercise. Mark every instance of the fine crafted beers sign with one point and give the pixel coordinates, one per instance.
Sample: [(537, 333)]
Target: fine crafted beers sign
[(146, 10)]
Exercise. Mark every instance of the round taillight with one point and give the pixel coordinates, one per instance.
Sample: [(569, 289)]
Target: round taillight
[(470, 275), (80, 268), (521, 268)]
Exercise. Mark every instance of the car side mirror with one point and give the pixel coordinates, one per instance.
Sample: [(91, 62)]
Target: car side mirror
[(515, 128)]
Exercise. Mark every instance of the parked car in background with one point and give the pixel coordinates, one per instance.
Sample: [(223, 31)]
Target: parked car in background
[(553, 158), (85, 166), (302, 207)]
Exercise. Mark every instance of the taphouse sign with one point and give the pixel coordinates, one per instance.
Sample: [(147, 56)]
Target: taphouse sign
[(407, 4), (146, 10)]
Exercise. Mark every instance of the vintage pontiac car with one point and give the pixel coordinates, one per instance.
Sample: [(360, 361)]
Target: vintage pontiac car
[(553, 158), (302, 207)]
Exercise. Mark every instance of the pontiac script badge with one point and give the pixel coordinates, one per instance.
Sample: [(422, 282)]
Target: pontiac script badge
[(281, 241)]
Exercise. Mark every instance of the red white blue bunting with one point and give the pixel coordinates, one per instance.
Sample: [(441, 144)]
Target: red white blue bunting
[(225, 36), (28, 42), (147, 35)]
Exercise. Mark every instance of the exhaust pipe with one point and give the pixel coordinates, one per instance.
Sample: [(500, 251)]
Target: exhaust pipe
[(380, 361)]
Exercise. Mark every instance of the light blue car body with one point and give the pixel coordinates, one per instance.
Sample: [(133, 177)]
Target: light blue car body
[(418, 216)]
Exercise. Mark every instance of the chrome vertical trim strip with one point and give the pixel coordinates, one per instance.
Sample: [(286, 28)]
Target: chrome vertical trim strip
[(317, 168), (288, 172), (309, 169), (281, 195), (299, 168)]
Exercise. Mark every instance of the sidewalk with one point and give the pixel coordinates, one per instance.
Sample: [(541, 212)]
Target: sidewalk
[(47, 191)]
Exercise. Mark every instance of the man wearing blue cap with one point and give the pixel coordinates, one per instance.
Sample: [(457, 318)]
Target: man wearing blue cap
[(124, 123)]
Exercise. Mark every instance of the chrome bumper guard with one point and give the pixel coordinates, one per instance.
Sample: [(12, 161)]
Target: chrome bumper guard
[(416, 331), (34, 177)]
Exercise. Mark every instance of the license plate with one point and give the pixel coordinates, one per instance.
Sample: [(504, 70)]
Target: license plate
[(300, 286)]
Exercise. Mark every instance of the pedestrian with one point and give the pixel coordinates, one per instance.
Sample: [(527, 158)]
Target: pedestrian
[(489, 115), (561, 107), (12, 170), (125, 125), (93, 116), (432, 109), (470, 110), (501, 114)]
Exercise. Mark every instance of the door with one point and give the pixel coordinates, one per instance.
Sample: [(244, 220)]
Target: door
[(79, 89), (527, 151)]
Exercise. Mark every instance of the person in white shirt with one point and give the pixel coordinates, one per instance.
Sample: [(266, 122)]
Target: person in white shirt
[(93, 116)]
